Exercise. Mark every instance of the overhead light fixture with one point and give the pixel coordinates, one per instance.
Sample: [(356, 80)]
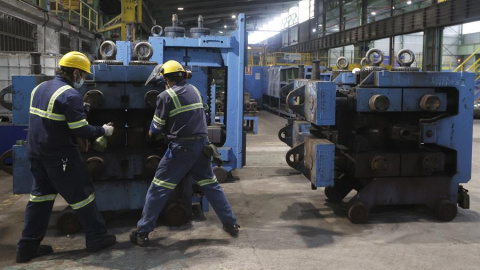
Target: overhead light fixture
[(373, 13), (180, 8), (225, 26), (320, 25), (393, 7), (221, 32), (249, 47), (409, 2), (233, 16), (314, 30)]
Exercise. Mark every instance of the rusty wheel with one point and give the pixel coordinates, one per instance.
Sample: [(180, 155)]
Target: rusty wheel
[(358, 212), (176, 214), (68, 223), (445, 210), (221, 174), (333, 195)]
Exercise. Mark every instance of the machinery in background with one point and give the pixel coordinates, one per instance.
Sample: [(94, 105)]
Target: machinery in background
[(122, 166), (281, 82), (396, 137)]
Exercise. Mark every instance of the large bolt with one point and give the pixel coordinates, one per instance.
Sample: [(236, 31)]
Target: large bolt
[(95, 166), (379, 164), (379, 103), (430, 103)]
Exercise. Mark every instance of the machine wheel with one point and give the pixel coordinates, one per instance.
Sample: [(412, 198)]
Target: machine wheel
[(68, 223), (221, 174), (176, 214), (445, 210), (8, 168), (333, 195), (358, 212)]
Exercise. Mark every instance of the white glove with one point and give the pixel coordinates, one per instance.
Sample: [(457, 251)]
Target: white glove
[(108, 129)]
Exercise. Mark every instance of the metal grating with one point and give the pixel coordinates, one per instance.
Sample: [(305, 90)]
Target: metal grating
[(438, 15), (64, 44), (16, 35)]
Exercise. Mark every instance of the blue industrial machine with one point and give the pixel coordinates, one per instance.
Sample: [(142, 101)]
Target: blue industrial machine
[(396, 137), (116, 92)]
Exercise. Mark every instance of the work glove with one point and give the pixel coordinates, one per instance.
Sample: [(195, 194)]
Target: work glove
[(212, 151), (108, 128)]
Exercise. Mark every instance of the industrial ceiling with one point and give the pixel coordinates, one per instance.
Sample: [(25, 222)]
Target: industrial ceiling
[(216, 14)]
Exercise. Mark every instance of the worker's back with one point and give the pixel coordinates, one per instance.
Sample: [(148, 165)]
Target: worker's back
[(186, 115)]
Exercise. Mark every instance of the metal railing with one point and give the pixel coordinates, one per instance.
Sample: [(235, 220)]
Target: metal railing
[(461, 66), (285, 59), (75, 11)]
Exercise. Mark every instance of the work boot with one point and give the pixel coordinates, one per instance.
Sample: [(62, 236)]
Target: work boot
[(26, 254), (232, 229), (105, 242), (139, 239)]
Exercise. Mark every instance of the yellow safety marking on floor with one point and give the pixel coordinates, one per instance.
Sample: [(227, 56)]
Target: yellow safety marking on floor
[(9, 201)]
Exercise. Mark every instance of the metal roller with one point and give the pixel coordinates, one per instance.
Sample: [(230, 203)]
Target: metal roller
[(405, 66), (200, 30), (174, 30), (108, 50), (94, 98), (143, 51), (156, 30), (342, 65)]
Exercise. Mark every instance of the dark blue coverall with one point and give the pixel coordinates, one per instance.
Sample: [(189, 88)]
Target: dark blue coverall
[(57, 117), (180, 114)]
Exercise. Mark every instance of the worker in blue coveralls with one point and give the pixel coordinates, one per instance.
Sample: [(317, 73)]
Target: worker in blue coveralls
[(57, 120), (180, 116)]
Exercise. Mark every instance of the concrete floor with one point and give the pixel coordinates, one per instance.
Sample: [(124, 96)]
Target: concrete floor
[(284, 225)]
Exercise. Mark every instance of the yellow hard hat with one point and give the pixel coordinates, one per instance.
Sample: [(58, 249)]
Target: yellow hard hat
[(171, 66), (76, 60)]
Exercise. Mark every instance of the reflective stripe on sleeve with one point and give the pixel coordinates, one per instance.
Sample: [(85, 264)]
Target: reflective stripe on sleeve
[(44, 198), (83, 203), (186, 108), (33, 93), (198, 93), (174, 97), (44, 114), (158, 120), (77, 124), (205, 182), (164, 184), (49, 112), (55, 95)]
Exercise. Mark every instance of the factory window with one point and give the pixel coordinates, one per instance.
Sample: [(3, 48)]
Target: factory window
[(64, 44), (320, 17), (413, 42), (402, 6), (352, 13), (305, 10), (345, 51), (16, 35), (332, 10), (384, 46), (378, 10), (311, 14)]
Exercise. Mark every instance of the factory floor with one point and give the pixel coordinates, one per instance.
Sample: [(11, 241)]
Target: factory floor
[(284, 225)]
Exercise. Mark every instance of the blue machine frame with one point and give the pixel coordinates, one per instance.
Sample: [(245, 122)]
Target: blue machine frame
[(124, 89), (448, 129)]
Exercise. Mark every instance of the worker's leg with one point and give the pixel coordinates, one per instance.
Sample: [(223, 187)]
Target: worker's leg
[(171, 170), (202, 173), (39, 207), (75, 186)]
